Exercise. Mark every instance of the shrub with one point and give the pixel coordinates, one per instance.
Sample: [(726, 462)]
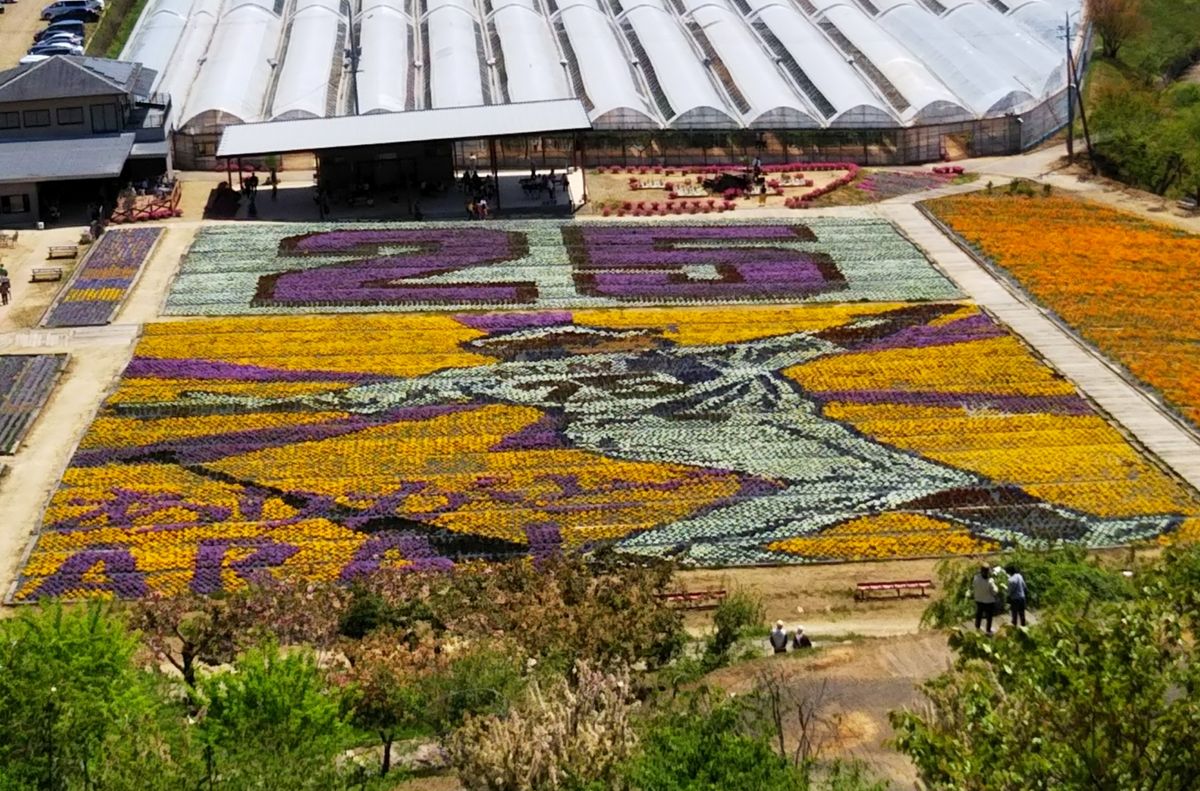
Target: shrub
[(738, 613), (562, 737)]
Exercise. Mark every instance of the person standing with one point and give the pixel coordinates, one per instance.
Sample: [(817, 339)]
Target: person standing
[(984, 590), (5, 286), (779, 638), (1018, 593)]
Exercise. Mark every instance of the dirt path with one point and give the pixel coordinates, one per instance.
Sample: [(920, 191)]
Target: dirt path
[(821, 597), (858, 683)]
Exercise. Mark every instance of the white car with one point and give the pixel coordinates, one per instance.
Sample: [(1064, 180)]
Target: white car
[(57, 49), (28, 59), (59, 38)]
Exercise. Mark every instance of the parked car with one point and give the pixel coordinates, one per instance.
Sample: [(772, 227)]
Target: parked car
[(59, 38), (79, 15), (55, 10), (71, 26), (27, 59), (57, 49)]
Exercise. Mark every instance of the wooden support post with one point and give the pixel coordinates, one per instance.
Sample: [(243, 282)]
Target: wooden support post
[(495, 170)]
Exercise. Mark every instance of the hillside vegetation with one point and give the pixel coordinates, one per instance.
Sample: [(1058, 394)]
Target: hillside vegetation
[(1146, 121)]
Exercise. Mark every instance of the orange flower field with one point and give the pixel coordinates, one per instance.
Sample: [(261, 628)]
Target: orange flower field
[(1127, 285)]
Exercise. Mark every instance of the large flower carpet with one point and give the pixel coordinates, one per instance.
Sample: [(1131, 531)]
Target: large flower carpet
[(101, 285), (1128, 286), (331, 446), (256, 269)]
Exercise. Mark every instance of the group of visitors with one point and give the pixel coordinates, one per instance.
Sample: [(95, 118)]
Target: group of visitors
[(478, 190), (781, 638), (987, 596)]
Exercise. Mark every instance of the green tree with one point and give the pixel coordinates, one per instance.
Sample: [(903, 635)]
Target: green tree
[(271, 723), (1116, 21), (69, 691), (1103, 700)]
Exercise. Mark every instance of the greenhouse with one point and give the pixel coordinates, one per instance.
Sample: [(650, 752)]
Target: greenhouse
[(687, 66)]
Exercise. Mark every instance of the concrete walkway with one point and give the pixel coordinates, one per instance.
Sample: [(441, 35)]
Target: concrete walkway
[(1089, 371)]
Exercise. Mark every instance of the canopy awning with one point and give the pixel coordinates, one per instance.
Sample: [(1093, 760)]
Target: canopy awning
[(413, 126)]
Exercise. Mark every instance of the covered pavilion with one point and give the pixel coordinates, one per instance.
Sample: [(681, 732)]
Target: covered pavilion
[(361, 156)]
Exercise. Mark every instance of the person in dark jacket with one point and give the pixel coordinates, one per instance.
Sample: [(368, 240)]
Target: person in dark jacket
[(1018, 593)]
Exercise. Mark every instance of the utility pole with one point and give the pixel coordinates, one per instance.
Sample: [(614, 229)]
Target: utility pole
[(1070, 96), (1087, 138)]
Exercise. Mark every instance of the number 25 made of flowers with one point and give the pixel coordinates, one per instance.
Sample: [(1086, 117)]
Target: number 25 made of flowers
[(547, 264)]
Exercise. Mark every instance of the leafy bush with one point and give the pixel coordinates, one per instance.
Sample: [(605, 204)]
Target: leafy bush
[(1063, 577), (272, 723), (69, 691), (1105, 699), (738, 613), (704, 747)]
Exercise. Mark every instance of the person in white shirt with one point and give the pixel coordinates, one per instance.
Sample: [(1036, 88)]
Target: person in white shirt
[(779, 638), (984, 590)]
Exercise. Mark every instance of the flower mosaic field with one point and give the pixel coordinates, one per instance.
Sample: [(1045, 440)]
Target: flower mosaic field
[(1126, 285), (257, 269), (101, 285), (329, 446), (25, 383)]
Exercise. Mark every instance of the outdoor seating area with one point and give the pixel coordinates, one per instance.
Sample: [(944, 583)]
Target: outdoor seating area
[(146, 203)]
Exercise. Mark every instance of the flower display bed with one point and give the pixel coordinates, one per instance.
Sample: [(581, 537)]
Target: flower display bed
[(884, 184), (547, 264), (25, 383), (331, 446), (1126, 285), (101, 284)]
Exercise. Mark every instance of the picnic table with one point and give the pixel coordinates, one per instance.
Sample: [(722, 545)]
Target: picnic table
[(695, 600), (865, 590)]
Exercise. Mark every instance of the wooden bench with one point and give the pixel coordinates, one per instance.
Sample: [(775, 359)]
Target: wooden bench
[(47, 274), (864, 590), (695, 600), (63, 251)]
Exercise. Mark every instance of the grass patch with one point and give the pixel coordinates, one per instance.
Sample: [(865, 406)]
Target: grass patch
[(114, 27)]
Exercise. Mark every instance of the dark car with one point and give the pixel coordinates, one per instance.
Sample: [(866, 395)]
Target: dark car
[(73, 26), (78, 15), (62, 9)]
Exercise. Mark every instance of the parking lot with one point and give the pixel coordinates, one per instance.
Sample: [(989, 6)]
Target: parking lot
[(18, 23)]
